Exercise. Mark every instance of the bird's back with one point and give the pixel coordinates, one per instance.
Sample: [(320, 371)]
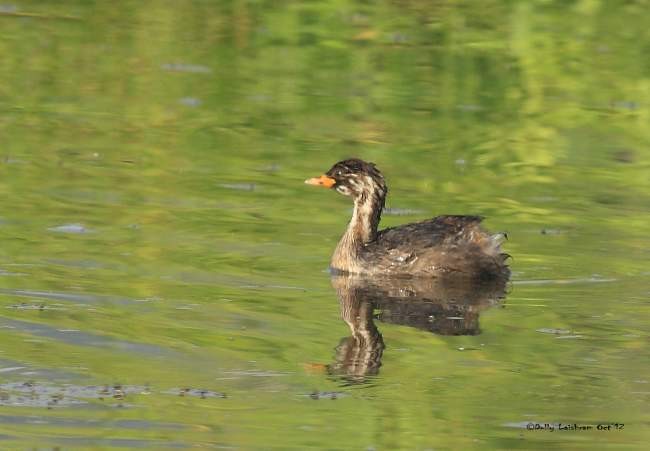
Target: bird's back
[(438, 246)]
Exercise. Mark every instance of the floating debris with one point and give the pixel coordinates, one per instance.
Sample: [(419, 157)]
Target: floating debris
[(118, 393), (332, 395), (38, 306), (37, 394), (70, 228), (196, 393), (546, 330)]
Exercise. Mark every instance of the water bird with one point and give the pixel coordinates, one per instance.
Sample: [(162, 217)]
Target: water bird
[(442, 246)]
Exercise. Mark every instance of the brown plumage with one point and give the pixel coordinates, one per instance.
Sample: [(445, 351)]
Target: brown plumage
[(439, 246)]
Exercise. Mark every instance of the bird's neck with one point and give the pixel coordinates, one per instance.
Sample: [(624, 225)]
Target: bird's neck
[(362, 229)]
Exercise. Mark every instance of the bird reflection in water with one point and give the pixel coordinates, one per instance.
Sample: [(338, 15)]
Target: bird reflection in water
[(444, 306)]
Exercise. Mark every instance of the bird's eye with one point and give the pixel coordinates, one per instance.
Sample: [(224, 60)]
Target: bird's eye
[(339, 173)]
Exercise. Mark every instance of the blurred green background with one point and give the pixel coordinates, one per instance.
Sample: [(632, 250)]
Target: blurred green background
[(157, 237)]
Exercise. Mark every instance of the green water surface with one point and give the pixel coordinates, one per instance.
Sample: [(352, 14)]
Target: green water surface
[(163, 268)]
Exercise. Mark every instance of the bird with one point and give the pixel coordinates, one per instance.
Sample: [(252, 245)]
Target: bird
[(447, 245)]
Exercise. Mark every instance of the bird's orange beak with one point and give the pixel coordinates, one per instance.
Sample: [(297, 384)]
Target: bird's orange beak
[(323, 180)]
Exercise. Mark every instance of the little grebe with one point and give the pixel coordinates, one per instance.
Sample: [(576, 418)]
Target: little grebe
[(445, 245)]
